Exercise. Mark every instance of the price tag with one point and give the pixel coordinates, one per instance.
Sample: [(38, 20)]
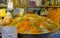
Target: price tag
[(21, 11), (16, 11), (10, 5)]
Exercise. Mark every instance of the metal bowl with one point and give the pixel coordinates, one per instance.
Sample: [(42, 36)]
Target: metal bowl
[(44, 35), (34, 35)]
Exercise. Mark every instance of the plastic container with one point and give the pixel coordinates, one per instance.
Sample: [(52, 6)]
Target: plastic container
[(9, 32)]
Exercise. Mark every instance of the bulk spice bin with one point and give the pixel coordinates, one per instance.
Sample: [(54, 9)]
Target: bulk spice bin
[(33, 26)]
